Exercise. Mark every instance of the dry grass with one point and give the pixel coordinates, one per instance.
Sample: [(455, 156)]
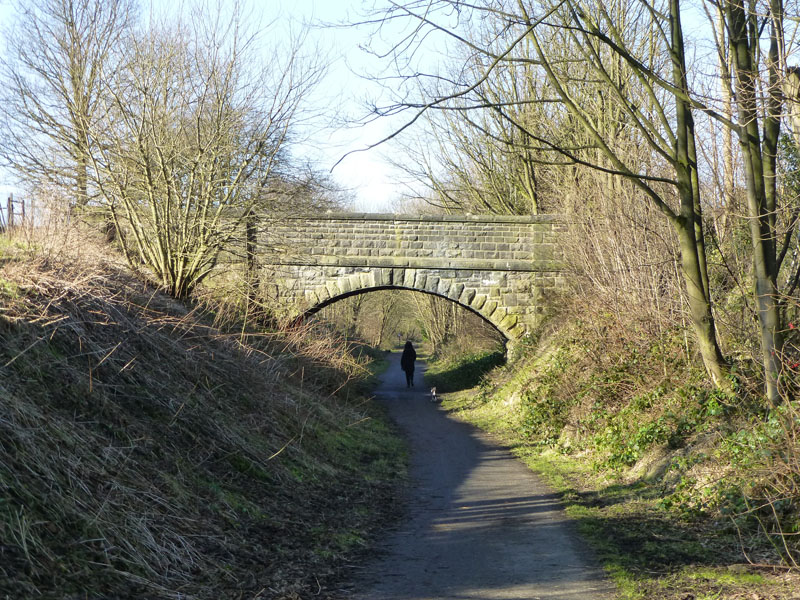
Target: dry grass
[(146, 453), (684, 492)]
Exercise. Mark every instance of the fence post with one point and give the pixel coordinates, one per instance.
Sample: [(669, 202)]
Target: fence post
[(251, 240), (10, 219)]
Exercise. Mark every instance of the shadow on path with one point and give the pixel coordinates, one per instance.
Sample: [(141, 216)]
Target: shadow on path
[(478, 523)]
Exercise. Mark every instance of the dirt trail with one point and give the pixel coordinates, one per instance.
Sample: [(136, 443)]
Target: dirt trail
[(478, 523)]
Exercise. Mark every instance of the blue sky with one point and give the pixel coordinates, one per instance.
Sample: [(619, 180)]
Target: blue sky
[(371, 179)]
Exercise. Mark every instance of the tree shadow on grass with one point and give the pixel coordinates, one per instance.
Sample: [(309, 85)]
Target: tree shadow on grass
[(628, 531), (464, 374)]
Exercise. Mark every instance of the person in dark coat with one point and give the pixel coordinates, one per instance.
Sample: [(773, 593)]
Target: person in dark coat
[(407, 363)]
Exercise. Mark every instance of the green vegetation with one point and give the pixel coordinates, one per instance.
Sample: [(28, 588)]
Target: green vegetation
[(148, 449), (681, 489), (457, 373), (146, 452)]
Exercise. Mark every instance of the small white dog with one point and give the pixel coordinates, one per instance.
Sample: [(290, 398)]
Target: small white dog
[(433, 394)]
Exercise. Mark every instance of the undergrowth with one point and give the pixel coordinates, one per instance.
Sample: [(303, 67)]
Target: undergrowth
[(459, 372), (684, 491), (145, 452)]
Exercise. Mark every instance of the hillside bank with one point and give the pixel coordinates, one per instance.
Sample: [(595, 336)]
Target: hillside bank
[(684, 492), (147, 452)]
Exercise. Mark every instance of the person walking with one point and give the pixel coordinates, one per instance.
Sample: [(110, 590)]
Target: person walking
[(407, 363)]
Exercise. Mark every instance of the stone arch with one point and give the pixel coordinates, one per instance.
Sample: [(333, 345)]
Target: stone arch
[(486, 305), (500, 267)]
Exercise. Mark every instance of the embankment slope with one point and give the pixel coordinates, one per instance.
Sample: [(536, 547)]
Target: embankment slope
[(146, 453)]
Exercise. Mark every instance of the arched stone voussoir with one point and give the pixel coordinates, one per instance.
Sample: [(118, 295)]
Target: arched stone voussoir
[(333, 289), (345, 285), (497, 315), (355, 281), (322, 293), (498, 266), (489, 308), (467, 295), (311, 298), (432, 284), (455, 291), (444, 287), (480, 300), (367, 280)]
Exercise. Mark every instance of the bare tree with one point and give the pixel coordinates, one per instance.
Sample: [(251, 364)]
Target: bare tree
[(618, 71), (347, 314), (436, 316), (385, 309), (758, 84), (477, 161), (196, 129), (58, 53)]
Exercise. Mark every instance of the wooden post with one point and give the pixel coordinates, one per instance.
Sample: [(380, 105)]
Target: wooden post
[(10, 218), (250, 258)]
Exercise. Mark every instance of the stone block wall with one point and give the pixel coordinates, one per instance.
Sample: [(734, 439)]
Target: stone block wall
[(497, 266)]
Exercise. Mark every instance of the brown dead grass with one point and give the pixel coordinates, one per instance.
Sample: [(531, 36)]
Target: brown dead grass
[(146, 453)]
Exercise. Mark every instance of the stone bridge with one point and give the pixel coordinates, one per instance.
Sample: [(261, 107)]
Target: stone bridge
[(500, 267)]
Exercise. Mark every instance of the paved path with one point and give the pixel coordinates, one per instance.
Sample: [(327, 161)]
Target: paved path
[(478, 524)]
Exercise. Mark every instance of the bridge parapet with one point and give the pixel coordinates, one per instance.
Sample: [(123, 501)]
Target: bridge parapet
[(497, 266)]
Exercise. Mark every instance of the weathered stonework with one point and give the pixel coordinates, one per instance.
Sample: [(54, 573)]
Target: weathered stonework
[(497, 266)]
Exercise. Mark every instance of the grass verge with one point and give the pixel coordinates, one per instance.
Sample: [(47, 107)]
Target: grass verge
[(146, 453), (462, 372), (645, 476)]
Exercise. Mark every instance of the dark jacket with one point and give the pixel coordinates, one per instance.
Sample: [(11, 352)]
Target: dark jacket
[(408, 357)]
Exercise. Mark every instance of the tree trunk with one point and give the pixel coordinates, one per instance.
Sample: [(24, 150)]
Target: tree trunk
[(689, 224), (699, 306), (759, 155)]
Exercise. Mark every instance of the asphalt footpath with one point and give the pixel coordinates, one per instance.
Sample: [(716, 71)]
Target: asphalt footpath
[(477, 523)]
